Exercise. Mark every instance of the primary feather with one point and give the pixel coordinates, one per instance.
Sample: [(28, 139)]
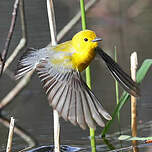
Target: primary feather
[(123, 78)]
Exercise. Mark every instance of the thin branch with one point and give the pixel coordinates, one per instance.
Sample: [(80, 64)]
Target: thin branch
[(10, 136), (22, 17), (52, 25), (22, 42), (20, 46), (11, 95), (9, 36)]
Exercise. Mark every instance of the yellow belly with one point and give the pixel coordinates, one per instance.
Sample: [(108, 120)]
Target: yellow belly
[(82, 60)]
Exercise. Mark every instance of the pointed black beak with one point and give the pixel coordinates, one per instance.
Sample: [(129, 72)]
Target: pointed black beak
[(97, 39)]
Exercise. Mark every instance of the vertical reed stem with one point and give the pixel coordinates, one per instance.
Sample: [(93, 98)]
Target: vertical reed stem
[(116, 82), (52, 24), (134, 64), (10, 136), (88, 75), (83, 15)]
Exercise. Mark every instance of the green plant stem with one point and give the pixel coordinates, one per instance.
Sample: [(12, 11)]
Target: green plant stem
[(117, 87), (116, 82), (117, 93), (88, 76), (83, 15)]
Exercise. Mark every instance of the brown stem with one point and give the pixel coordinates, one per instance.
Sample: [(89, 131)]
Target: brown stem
[(9, 36), (22, 83), (10, 136), (23, 40), (134, 64)]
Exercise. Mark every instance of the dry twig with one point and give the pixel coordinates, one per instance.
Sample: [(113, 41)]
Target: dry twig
[(52, 25), (22, 83), (22, 42), (10, 136), (9, 36)]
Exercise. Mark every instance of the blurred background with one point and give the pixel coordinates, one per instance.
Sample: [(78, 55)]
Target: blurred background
[(125, 24)]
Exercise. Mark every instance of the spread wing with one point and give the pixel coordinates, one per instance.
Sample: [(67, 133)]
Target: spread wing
[(70, 96), (67, 92)]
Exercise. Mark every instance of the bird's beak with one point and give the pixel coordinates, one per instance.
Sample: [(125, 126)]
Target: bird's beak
[(97, 39)]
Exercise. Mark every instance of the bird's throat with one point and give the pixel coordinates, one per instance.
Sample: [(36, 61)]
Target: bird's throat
[(82, 59)]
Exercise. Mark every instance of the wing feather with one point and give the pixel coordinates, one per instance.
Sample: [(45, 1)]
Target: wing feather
[(66, 106), (123, 78), (67, 92), (72, 108), (97, 104), (70, 96), (56, 98), (87, 114), (63, 97), (80, 112), (29, 61), (95, 114)]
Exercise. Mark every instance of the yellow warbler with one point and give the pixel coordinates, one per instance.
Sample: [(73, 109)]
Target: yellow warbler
[(59, 69)]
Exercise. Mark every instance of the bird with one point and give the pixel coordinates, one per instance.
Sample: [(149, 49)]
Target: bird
[(59, 68)]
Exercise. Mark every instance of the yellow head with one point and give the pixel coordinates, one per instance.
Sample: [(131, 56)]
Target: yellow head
[(84, 40), (84, 43)]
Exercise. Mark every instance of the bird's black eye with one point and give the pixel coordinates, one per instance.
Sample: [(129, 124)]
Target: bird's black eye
[(85, 39)]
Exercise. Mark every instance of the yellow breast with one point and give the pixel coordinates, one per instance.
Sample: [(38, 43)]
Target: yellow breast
[(82, 60)]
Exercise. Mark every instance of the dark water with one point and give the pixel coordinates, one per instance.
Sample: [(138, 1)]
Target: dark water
[(127, 25)]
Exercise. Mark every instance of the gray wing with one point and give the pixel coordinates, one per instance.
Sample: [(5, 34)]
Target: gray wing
[(70, 96), (123, 78), (29, 61), (32, 57), (67, 92)]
